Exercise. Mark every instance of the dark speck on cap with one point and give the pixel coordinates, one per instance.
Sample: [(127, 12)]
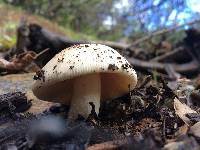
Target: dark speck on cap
[(126, 66), (112, 67), (60, 59), (71, 67), (39, 75), (54, 67)]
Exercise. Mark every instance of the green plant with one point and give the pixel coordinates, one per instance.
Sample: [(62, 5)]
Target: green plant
[(155, 75), (8, 36)]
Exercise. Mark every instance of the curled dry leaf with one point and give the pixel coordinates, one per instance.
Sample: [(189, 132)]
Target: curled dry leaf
[(195, 130), (182, 130), (181, 110), (187, 143)]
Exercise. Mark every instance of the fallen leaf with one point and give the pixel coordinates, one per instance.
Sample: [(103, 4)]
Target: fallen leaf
[(195, 130), (181, 110)]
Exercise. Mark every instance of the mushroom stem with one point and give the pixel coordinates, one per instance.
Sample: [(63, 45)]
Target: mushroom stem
[(86, 89)]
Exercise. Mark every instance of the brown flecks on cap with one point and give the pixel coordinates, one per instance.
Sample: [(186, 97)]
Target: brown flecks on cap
[(102, 68), (111, 57), (126, 66), (112, 67), (39, 75), (54, 67), (118, 57), (60, 59), (112, 51), (71, 67), (55, 71), (95, 49), (86, 45)]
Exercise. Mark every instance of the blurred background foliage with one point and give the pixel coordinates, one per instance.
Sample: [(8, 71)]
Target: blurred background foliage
[(119, 20)]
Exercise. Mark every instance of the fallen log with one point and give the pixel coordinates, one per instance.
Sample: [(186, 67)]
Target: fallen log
[(39, 38), (33, 37)]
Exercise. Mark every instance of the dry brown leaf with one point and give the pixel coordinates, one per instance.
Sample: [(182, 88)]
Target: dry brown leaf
[(195, 130), (110, 145), (182, 130), (181, 110)]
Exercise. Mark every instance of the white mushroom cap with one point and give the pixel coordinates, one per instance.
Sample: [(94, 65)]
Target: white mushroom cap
[(55, 82)]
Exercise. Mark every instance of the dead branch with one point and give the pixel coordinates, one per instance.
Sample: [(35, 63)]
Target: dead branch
[(145, 38), (186, 68), (19, 62), (171, 56), (171, 72), (39, 38)]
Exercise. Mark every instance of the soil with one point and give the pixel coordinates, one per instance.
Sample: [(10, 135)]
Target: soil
[(22, 82), (142, 119)]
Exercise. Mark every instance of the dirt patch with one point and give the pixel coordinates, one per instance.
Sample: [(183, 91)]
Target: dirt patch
[(23, 83)]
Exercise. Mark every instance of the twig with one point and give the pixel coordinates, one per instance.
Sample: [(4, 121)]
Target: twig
[(110, 145), (41, 53), (170, 55), (171, 72)]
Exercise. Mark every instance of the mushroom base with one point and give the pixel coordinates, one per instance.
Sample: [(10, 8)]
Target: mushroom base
[(86, 89)]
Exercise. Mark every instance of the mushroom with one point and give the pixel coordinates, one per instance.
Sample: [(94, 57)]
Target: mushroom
[(84, 73)]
